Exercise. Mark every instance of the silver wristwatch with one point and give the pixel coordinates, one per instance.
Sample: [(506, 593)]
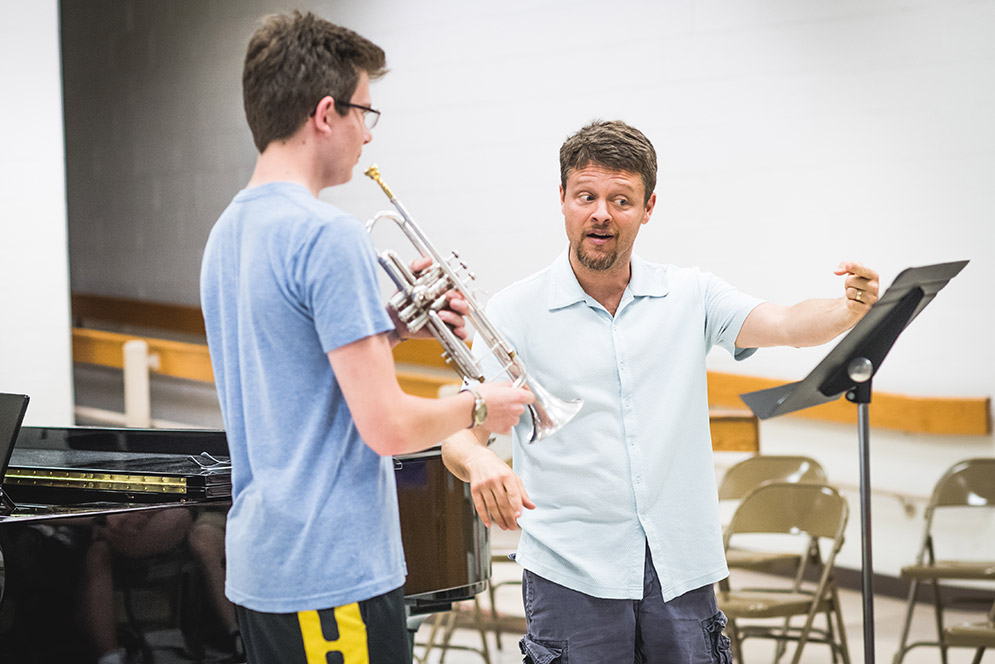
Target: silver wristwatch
[(479, 407)]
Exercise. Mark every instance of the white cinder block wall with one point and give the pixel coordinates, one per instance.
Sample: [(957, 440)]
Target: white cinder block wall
[(35, 354), (791, 135)]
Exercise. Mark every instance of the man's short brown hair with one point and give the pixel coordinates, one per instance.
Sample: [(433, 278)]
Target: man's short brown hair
[(292, 62), (614, 145)]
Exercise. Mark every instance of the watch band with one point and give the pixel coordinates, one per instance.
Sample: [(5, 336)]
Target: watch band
[(479, 407)]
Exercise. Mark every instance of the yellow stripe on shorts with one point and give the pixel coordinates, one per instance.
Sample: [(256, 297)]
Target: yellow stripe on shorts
[(352, 636)]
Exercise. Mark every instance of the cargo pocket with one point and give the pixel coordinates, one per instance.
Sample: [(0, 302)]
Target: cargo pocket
[(717, 642), (543, 652)]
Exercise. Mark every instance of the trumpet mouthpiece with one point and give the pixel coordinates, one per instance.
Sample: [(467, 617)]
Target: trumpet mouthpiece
[(373, 172)]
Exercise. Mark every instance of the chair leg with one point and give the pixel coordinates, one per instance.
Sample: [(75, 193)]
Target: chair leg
[(904, 639), (734, 641), (492, 595), (478, 617), (836, 630), (938, 611), (450, 621), (437, 624), (831, 636), (803, 635), (844, 646), (977, 655), (447, 635), (781, 645)]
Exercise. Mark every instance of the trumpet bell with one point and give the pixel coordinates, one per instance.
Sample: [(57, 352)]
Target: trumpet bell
[(549, 413)]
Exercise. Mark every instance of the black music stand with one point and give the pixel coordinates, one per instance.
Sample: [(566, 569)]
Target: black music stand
[(849, 368)]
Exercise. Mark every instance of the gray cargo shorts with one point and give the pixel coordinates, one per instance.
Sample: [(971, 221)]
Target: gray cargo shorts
[(570, 627)]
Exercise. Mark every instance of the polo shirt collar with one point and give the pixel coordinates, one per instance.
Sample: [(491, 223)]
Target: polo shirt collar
[(565, 290), (647, 282)]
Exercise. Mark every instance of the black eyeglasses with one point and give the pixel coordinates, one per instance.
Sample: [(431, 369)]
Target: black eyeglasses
[(370, 115)]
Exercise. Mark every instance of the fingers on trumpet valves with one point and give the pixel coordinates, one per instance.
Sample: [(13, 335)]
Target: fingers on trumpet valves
[(439, 289)]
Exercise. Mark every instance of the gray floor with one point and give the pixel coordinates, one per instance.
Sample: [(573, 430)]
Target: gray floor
[(888, 614)]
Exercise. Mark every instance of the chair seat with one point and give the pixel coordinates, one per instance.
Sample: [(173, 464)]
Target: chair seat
[(744, 559), (951, 569), (976, 635), (764, 604)]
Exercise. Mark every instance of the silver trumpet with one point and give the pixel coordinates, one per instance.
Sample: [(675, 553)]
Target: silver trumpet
[(419, 299)]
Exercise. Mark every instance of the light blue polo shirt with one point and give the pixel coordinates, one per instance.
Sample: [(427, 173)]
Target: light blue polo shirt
[(635, 465)]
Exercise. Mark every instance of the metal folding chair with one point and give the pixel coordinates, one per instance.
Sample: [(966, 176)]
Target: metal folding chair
[(979, 635), (466, 615), (750, 473), (809, 513), (968, 484)]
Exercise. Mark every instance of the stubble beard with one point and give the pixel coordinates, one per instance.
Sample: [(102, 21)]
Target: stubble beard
[(599, 262)]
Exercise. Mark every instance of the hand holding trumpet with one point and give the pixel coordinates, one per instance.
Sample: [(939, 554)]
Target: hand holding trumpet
[(505, 402), (453, 314)]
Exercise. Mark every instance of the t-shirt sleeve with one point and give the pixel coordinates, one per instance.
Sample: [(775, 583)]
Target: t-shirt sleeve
[(725, 311), (340, 285)]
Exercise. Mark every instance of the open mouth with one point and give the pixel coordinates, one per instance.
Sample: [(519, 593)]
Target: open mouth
[(599, 237)]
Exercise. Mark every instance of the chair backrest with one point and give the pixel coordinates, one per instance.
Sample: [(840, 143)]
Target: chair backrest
[(968, 483), (791, 508), (750, 473)]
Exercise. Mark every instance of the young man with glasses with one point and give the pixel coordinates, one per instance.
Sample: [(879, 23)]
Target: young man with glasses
[(301, 349), (621, 540)]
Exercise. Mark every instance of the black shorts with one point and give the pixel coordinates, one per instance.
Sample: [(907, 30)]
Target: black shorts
[(369, 632)]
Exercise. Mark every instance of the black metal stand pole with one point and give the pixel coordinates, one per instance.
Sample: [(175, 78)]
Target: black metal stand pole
[(860, 371)]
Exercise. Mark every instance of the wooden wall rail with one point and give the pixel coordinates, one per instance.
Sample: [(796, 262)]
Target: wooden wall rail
[(932, 415), (421, 370), (732, 430), (173, 358)]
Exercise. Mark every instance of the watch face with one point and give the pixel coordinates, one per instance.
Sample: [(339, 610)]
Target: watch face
[(479, 412)]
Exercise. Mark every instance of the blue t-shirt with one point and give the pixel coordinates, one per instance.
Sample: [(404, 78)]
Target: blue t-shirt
[(286, 278)]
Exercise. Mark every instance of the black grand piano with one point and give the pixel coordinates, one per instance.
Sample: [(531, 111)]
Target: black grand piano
[(160, 496)]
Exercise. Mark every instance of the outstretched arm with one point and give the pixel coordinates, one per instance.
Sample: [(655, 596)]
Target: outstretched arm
[(498, 493), (812, 322)]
